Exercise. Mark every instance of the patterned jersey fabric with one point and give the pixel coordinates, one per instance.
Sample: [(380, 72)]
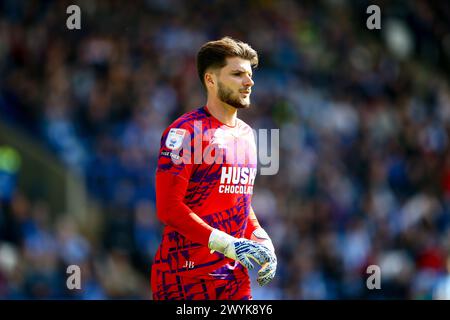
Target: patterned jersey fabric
[(219, 163)]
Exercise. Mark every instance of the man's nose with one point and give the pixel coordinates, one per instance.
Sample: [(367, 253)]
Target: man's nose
[(248, 82)]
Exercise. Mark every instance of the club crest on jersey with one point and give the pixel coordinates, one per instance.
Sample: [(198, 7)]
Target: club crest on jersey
[(219, 139), (175, 138)]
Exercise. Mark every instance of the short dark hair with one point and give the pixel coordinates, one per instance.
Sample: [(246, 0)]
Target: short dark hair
[(213, 54)]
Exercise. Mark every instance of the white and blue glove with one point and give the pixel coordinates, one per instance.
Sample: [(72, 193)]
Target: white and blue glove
[(242, 250), (267, 272)]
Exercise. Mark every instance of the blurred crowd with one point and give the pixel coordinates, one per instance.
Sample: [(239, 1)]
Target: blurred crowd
[(364, 119)]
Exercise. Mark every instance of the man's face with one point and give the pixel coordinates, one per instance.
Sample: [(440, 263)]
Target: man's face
[(234, 83)]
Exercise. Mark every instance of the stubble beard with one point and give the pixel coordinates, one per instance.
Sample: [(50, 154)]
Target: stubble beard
[(225, 94)]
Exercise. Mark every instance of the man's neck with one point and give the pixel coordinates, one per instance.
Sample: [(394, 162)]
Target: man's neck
[(222, 111)]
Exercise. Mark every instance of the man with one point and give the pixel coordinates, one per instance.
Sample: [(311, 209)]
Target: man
[(204, 184)]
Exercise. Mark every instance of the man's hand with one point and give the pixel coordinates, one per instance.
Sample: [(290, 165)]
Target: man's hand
[(241, 250), (267, 272)]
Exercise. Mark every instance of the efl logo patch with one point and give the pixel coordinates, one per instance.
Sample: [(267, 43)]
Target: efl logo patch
[(175, 138)]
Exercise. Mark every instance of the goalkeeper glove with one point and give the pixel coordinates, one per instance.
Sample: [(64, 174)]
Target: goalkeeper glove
[(241, 250), (267, 272)]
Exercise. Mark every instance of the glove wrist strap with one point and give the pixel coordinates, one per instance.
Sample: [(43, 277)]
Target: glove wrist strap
[(219, 240), (260, 235)]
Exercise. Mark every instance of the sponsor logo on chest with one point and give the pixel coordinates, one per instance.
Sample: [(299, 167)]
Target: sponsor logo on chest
[(239, 180)]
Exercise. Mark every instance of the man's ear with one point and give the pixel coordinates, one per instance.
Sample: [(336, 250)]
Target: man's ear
[(209, 79)]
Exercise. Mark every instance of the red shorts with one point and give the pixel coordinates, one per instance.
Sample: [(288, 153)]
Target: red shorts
[(172, 286)]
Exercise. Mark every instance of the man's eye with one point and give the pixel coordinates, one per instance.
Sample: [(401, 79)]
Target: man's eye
[(241, 74)]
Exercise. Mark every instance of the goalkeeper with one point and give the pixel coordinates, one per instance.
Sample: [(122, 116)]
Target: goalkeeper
[(204, 184)]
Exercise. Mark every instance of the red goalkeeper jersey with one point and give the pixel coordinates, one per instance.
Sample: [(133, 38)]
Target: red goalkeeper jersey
[(204, 179)]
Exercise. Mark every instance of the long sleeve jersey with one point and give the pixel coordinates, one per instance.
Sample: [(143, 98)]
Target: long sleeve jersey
[(204, 180)]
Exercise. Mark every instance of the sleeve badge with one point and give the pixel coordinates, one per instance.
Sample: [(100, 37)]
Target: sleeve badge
[(175, 138)]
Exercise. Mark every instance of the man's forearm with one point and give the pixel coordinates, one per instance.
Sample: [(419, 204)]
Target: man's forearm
[(172, 211)]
